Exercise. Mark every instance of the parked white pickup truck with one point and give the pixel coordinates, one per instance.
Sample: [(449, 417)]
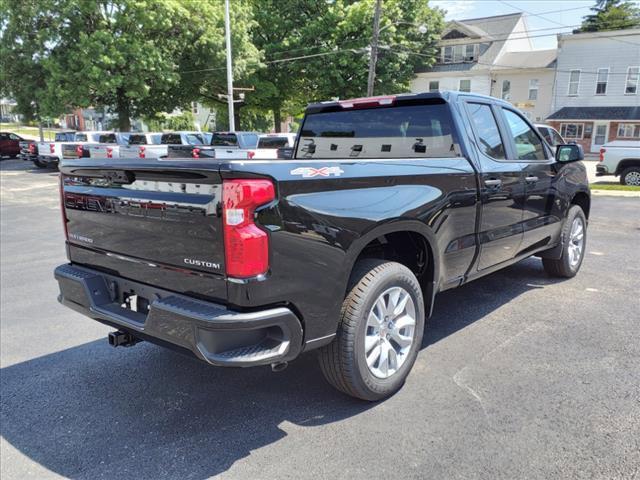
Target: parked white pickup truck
[(138, 141), (109, 146), (620, 158), (50, 153), (170, 138), (79, 148)]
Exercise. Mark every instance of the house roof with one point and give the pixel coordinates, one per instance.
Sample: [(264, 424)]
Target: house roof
[(531, 59), (490, 32), (596, 113)]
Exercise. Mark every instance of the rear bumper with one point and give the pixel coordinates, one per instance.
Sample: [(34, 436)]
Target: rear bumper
[(47, 159), (209, 331), (602, 170)]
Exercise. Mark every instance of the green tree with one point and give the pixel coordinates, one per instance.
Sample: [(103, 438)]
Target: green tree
[(137, 57), (333, 38), (611, 15)]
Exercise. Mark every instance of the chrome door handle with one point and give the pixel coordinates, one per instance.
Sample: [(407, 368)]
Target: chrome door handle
[(532, 179), (493, 183)]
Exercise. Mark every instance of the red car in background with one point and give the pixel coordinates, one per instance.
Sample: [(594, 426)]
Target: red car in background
[(9, 144)]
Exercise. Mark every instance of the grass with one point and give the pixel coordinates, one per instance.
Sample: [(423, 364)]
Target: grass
[(614, 186), (23, 130)]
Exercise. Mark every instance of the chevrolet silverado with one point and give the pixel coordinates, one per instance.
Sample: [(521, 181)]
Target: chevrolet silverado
[(340, 249)]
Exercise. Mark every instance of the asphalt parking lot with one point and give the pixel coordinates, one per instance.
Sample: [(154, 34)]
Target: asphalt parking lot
[(520, 376)]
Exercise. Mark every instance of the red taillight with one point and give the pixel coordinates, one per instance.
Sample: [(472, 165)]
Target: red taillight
[(251, 154), (79, 150), (141, 153), (109, 152), (64, 214), (602, 152), (246, 246), (195, 153), (52, 147), (32, 148)]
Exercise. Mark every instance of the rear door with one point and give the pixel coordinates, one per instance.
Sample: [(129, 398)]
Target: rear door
[(541, 213), (501, 188)]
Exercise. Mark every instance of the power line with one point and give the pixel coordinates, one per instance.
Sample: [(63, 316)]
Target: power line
[(505, 67), (541, 15)]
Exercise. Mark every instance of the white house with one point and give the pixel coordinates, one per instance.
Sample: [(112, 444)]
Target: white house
[(493, 56), (597, 89)]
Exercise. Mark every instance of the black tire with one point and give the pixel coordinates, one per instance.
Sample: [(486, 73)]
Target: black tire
[(343, 362), (564, 267), (39, 164), (630, 176)]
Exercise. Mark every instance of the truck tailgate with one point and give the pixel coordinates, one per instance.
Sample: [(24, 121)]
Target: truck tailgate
[(148, 221)]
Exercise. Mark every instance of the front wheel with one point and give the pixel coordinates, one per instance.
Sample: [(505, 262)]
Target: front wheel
[(380, 331), (630, 176), (574, 236)]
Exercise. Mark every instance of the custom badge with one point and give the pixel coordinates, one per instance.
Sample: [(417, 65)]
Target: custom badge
[(309, 172)]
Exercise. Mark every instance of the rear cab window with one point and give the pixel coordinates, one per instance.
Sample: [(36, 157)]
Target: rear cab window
[(403, 131), (224, 139), (171, 139), (80, 137), (273, 142), (107, 138)]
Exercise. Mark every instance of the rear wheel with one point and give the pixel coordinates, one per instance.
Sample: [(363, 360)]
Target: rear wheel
[(39, 164), (380, 331), (630, 176), (574, 235)]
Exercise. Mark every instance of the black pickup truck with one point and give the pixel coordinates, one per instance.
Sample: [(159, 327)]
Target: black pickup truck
[(342, 248)]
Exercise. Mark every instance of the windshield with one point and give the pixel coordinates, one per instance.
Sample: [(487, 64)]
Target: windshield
[(81, 137), (414, 131), (225, 139), (273, 142)]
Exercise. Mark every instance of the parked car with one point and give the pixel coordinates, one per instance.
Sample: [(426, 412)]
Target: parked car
[(50, 153), (270, 143), (386, 202), (79, 148), (238, 145), (28, 150), (137, 140), (551, 135), (620, 158), (108, 145), (9, 144), (187, 138)]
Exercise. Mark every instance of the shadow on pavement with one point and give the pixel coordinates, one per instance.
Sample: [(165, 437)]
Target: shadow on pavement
[(91, 411), (16, 165)]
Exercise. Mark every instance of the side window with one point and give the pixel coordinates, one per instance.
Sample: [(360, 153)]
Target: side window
[(528, 144), (486, 128), (544, 131)]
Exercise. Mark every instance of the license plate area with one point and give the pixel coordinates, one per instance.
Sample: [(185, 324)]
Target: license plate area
[(135, 303)]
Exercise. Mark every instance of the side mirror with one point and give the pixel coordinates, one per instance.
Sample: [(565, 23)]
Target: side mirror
[(569, 153)]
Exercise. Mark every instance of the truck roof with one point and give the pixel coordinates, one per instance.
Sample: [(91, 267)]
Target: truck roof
[(443, 96)]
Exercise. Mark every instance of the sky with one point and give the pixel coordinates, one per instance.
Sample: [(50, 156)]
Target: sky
[(546, 24)]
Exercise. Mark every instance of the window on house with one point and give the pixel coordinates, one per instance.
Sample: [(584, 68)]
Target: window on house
[(629, 130), (601, 81), (633, 74), (573, 131), (506, 90), (471, 53), (533, 89), (458, 53), (434, 85), (447, 54), (574, 82), (464, 85)]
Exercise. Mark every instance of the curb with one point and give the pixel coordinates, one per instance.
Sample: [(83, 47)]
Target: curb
[(614, 193)]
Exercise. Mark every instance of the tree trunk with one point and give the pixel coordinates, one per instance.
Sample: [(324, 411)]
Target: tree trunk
[(277, 119), (122, 107)]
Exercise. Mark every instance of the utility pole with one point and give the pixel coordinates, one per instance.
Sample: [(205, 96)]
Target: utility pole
[(227, 28), (374, 48)]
